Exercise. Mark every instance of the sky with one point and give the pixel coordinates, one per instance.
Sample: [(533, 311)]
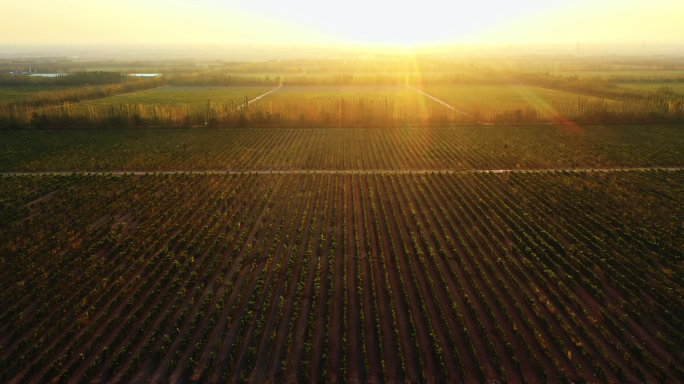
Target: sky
[(397, 22)]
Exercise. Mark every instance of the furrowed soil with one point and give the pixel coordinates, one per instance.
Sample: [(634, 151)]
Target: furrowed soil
[(364, 276)]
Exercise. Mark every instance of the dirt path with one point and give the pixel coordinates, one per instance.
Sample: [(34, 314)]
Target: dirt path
[(438, 100), (344, 172), (260, 96), (433, 98), (144, 90), (267, 93)]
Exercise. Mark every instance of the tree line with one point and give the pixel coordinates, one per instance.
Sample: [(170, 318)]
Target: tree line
[(74, 79)]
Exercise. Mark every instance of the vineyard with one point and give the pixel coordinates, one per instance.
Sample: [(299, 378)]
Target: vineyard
[(344, 149), (342, 218), (346, 277)]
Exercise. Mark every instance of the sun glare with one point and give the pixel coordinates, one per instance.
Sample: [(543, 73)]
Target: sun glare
[(248, 192), (308, 22)]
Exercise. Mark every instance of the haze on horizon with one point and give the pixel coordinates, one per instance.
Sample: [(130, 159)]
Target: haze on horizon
[(354, 22)]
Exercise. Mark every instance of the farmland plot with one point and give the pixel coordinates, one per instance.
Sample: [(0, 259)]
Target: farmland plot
[(358, 277), (676, 87), (343, 149), (184, 96), (466, 95), (17, 93), (320, 95)]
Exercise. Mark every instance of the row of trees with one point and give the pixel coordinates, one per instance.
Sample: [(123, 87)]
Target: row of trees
[(202, 79), (343, 112), (597, 86), (73, 79), (342, 80), (48, 102)]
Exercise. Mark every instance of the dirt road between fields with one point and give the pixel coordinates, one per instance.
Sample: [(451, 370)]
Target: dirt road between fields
[(438, 100), (262, 95), (432, 97), (267, 93), (343, 172)]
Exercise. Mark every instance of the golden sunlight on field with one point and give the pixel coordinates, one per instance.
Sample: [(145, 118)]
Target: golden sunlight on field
[(224, 192)]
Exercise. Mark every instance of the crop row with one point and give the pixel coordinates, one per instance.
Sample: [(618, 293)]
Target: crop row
[(344, 149), (438, 276)]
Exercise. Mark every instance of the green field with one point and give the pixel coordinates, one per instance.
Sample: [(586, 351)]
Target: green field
[(15, 93), (182, 96), (468, 95), (398, 94), (676, 87), (624, 73)]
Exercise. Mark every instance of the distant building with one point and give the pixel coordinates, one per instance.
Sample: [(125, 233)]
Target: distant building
[(47, 74), (15, 73), (144, 74), (34, 74)]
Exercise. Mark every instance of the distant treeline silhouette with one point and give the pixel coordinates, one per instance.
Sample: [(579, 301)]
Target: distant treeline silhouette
[(343, 112), (223, 80), (595, 86), (343, 79), (67, 79)]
